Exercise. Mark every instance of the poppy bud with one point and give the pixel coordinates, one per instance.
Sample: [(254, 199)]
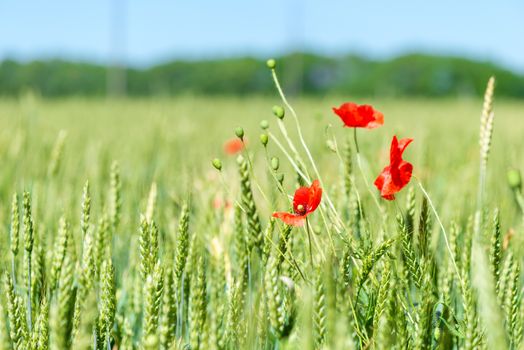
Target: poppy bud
[(264, 139), (279, 111), (217, 164), (271, 63), (264, 124), (514, 179), (275, 163), (317, 230), (240, 133), (280, 178)]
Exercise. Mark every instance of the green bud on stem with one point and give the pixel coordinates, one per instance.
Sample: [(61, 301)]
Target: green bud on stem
[(514, 179), (264, 139), (217, 164), (240, 133), (275, 163), (271, 63), (264, 124), (279, 112)]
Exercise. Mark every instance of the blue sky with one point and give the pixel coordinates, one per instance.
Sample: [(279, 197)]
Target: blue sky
[(152, 31)]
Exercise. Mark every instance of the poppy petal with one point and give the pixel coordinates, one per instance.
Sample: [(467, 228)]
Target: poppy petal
[(369, 117), (315, 195), (397, 149), (405, 169), (381, 179), (378, 120), (290, 219), (233, 146), (398, 173), (394, 154), (385, 183), (347, 113), (359, 116), (403, 143), (301, 197)]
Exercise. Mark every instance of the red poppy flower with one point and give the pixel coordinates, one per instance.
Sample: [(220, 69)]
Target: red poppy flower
[(305, 201), (359, 116), (233, 146), (398, 173)]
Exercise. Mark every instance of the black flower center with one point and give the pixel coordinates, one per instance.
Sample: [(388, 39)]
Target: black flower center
[(301, 210)]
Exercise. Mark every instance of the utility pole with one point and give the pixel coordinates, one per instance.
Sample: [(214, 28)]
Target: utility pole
[(116, 72)]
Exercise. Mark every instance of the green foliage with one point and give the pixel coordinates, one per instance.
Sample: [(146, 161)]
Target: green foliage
[(408, 75)]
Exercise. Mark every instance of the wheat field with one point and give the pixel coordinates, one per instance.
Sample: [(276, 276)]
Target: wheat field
[(125, 225)]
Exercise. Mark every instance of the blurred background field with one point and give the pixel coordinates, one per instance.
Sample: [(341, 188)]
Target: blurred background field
[(173, 140)]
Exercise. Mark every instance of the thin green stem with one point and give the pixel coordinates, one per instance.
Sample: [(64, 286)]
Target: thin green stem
[(355, 138), (354, 188), (359, 163), (283, 130), (272, 172), (293, 163), (252, 172), (309, 240), (430, 202), (228, 192), (29, 307), (520, 202), (303, 142), (293, 262), (321, 207), (480, 198)]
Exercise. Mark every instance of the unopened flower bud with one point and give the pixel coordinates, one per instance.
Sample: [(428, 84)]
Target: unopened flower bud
[(264, 124), (280, 178), (271, 63), (217, 164), (279, 111), (240, 133), (275, 164), (514, 179), (264, 139)]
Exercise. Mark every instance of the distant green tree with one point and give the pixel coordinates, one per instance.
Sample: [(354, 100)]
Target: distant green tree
[(408, 75)]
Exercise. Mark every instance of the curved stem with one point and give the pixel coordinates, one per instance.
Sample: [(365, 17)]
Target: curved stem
[(321, 207), (355, 138), (272, 172), (253, 176), (361, 169), (304, 145), (430, 202), (293, 163), (293, 262), (29, 305), (309, 240), (228, 192)]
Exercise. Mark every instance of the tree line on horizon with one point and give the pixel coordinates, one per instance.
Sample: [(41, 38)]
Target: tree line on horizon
[(408, 75)]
